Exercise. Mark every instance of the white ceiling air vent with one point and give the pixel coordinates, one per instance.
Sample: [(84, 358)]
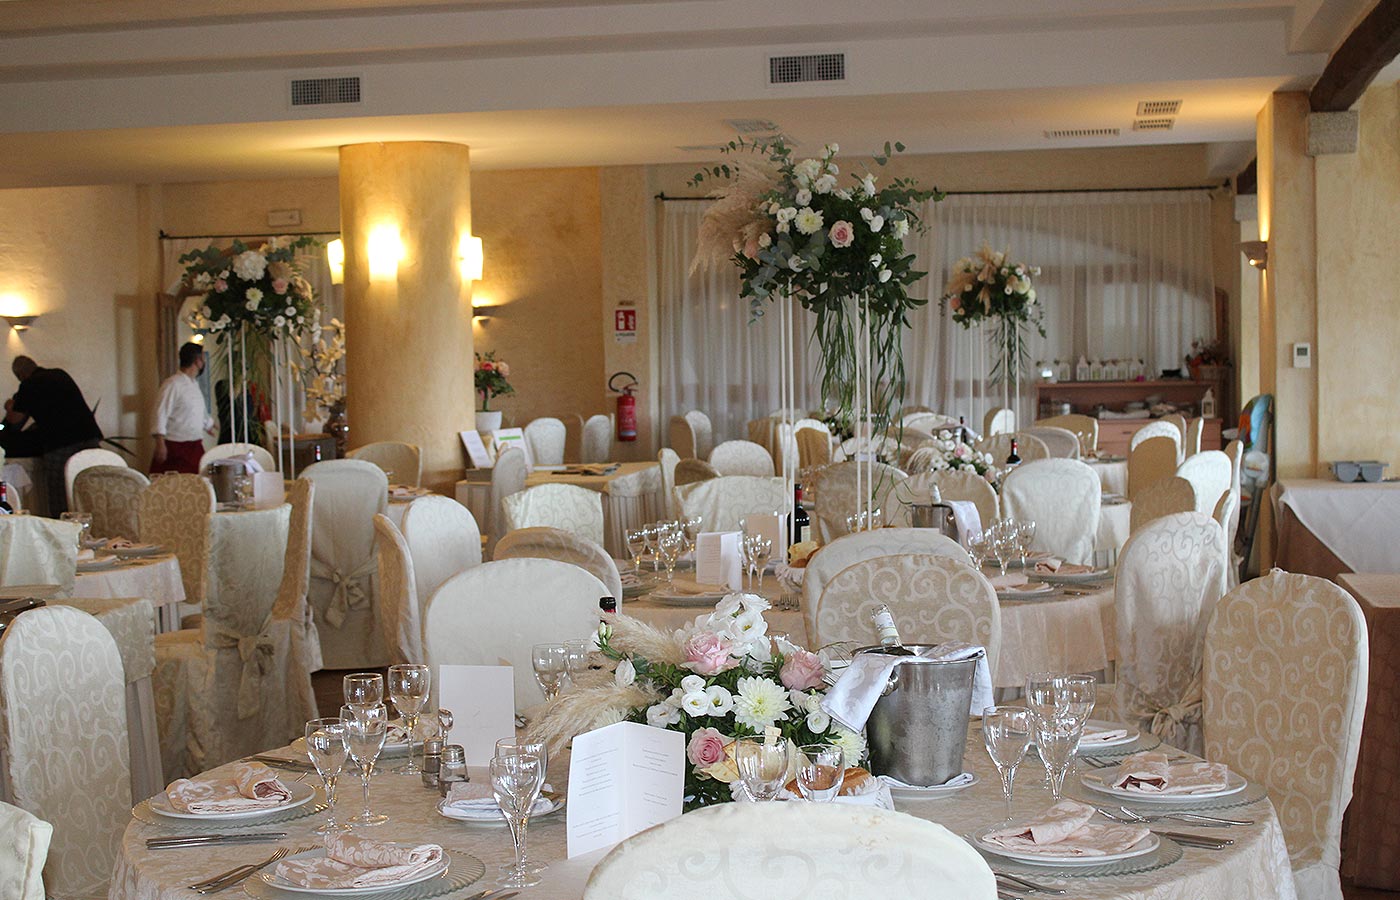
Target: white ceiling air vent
[(810, 67), (1156, 108), (1153, 124), (1082, 133), (753, 126), (320, 91)]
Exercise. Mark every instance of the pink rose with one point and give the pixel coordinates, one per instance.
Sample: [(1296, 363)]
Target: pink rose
[(487, 367), (220, 285), (802, 671), (842, 234), (751, 248), (708, 654), (961, 451), (955, 304), (503, 369), (279, 285), (706, 748)]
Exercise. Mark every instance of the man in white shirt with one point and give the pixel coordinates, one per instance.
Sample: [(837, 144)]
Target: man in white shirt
[(181, 418)]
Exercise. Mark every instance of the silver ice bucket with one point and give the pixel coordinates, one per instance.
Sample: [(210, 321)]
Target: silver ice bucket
[(918, 728), (224, 475), (933, 515)]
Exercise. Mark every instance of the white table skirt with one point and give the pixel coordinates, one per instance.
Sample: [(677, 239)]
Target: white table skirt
[(1114, 523), (1113, 475), (156, 579)]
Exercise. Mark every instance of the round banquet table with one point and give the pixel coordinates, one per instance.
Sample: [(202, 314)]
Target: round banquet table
[(155, 578), (1255, 866), (1113, 475)]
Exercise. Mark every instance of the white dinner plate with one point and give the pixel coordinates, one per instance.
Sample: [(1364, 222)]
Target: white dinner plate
[(1141, 848), (1056, 578), (661, 595), (301, 794), (1029, 592), (1088, 749), (494, 816), (138, 551), (270, 877), (1099, 780), (100, 564), (913, 792)]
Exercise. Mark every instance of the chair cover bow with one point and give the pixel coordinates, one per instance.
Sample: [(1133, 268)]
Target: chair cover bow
[(349, 590), (1170, 720), (257, 653)]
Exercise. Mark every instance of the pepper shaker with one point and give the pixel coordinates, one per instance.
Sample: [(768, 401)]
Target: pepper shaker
[(453, 768), (432, 762)]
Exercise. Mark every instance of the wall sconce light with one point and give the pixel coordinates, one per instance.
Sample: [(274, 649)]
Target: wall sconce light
[(385, 251), (470, 257), (484, 311), (1257, 252), (20, 323), (335, 258)]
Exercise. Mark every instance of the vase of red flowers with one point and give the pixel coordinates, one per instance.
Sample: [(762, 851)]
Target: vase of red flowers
[(490, 380)]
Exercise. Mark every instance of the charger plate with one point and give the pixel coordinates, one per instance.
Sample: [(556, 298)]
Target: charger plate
[(463, 870)]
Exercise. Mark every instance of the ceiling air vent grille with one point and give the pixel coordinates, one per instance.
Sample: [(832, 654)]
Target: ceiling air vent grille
[(319, 91), (1082, 133), (1153, 124), (811, 67), (1153, 108)]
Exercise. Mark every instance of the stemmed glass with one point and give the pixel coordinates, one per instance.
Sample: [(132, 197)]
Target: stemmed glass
[(516, 780), (83, 521), (365, 730), (520, 747), (576, 656), (979, 547), (408, 688), (650, 534), (759, 554), (762, 767), (669, 544), (1006, 730), (363, 689), (1025, 538), (636, 546), (550, 668), (1003, 544), (1059, 705), (822, 772), (325, 745)]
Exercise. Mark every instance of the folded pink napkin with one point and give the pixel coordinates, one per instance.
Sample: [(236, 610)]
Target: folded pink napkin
[(1010, 581), (356, 862), (1055, 566), (1095, 735), (1151, 773), (1064, 830), (477, 799), (249, 786)]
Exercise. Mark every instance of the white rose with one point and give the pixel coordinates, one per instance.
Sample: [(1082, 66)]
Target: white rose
[(663, 715), (867, 184), (803, 197), (876, 223), (279, 321), (818, 721), (787, 214), (795, 263), (825, 184), (865, 213), (250, 265), (764, 240), (782, 227), (625, 674), (251, 305), (692, 683)]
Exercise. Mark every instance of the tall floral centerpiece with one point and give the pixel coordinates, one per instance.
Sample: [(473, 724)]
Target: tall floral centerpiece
[(490, 379), (323, 378)]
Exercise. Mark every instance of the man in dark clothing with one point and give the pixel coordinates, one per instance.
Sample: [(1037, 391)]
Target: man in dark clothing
[(63, 423)]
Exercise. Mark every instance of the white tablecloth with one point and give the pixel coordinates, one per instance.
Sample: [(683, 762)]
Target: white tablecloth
[(1359, 522), (1113, 476), (156, 579), (1114, 521)]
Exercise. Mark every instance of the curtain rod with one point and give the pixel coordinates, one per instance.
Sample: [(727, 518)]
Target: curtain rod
[(664, 197), (207, 237)]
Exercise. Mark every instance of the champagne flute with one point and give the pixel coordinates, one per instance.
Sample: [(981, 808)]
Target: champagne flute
[(821, 773), (365, 730), (762, 552), (325, 745), (550, 668), (408, 688), (762, 767), (1025, 539), (515, 782), (668, 548), (363, 689), (1006, 730), (520, 747)]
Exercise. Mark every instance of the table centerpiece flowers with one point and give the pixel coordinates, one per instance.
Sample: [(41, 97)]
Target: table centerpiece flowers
[(719, 679), (989, 285), (947, 452)]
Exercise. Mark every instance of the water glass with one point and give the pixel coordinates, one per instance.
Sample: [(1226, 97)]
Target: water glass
[(550, 668), (1006, 730), (649, 535), (408, 688), (669, 545), (759, 555), (1056, 738), (636, 546), (1025, 539), (506, 747), (979, 548), (1004, 545), (363, 689), (1077, 696), (762, 767), (515, 782), (821, 773), (576, 657), (365, 730), (325, 745)]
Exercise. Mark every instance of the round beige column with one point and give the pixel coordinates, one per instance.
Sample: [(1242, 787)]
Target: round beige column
[(408, 321)]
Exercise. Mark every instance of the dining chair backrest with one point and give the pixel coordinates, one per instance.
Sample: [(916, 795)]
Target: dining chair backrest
[(175, 513), (839, 490), (689, 471), (112, 496), (237, 448), (761, 432), (495, 613), (828, 560), (442, 540), (722, 502), (507, 477), (1235, 451), (741, 458), (400, 618), (1286, 667), (1177, 421), (66, 742), (402, 462), (1060, 442), (1210, 474), (553, 543), (704, 431), (813, 447), (568, 507), (546, 437), (1191, 445), (1164, 497), (966, 484), (931, 422), (23, 853), (1086, 428), (1063, 498), (597, 439), (668, 460), (35, 550), (1156, 428), (1171, 574), (292, 603), (680, 434), (764, 846), (1150, 461), (1029, 447), (83, 459), (998, 420)]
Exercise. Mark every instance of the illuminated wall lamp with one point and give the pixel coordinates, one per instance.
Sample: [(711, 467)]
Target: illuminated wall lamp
[(335, 258), (20, 323), (385, 251), (1257, 252), (470, 257), (484, 311)]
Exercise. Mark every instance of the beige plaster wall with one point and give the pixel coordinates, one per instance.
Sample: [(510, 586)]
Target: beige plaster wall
[(241, 207), (628, 280)]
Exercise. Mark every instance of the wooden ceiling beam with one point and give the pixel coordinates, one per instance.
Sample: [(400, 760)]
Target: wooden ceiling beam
[(1370, 47)]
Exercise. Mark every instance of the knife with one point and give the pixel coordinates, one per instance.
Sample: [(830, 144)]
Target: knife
[(282, 762), (198, 840), (1196, 840)]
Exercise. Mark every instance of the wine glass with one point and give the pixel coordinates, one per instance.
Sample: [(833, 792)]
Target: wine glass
[(1025, 538), (979, 548), (649, 535), (550, 668), (822, 772), (1006, 730), (243, 490), (759, 555), (762, 767), (408, 688), (365, 730), (325, 745), (1003, 545), (363, 689), (83, 521), (521, 747), (636, 546), (668, 548), (1056, 738), (576, 657), (515, 782)]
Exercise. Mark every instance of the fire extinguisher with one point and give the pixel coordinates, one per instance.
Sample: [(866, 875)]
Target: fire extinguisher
[(626, 406)]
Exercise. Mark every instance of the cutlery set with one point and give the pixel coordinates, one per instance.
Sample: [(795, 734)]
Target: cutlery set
[(238, 874)]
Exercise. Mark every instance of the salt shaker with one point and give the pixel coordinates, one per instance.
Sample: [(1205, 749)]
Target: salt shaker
[(453, 768), (432, 762)]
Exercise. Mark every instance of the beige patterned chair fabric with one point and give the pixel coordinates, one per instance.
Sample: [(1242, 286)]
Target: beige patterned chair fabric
[(1178, 422), (24, 848), (442, 540), (1165, 497), (850, 549), (1235, 451), (64, 699), (722, 502), (225, 690), (837, 498), (175, 513), (689, 471), (238, 448), (552, 543), (112, 495), (1063, 498), (742, 458), (1156, 428), (1285, 689), (292, 602), (931, 422), (1086, 428), (780, 851), (344, 583), (405, 461), (1171, 574), (703, 430), (965, 484), (546, 437), (86, 459), (998, 420), (567, 507), (933, 599), (400, 617), (597, 439), (1029, 447), (507, 477), (1060, 442), (681, 436), (668, 461), (1150, 461), (34, 550), (1191, 445), (1210, 475), (813, 447), (495, 613)]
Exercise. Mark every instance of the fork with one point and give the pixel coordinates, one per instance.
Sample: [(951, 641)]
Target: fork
[(1187, 817), (236, 874)]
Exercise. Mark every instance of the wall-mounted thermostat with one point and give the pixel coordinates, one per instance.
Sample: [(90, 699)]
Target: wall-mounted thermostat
[(1302, 356)]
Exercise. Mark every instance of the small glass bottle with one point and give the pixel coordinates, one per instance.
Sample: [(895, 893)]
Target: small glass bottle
[(432, 762), (453, 768)]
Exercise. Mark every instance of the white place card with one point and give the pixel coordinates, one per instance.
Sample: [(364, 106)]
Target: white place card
[(623, 779), (719, 559), (505, 438), (772, 526), (482, 700), (476, 449)]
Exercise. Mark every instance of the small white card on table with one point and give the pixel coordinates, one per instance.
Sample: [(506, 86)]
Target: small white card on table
[(719, 560), (623, 779), (504, 438), (482, 700), (476, 450)]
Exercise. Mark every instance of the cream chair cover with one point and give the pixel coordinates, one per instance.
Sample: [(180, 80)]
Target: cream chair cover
[(741, 458), (1210, 474), (442, 540), (34, 550), (1191, 445), (400, 619), (998, 420), (813, 446), (965, 484), (668, 459), (722, 502), (792, 851), (1178, 422), (1162, 498), (931, 422), (1156, 428), (837, 498), (762, 432), (343, 582), (703, 431), (175, 513), (1062, 497), (1060, 442), (405, 461), (292, 604), (1285, 689), (552, 543), (1028, 447), (1170, 576), (23, 850), (112, 495), (785, 445), (495, 613), (597, 439), (847, 550), (568, 507), (681, 436), (64, 698), (546, 437), (507, 477), (85, 459), (238, 448), (1150, 461), (1086, 428), (689, 471), (1235, 451), (222, 690)]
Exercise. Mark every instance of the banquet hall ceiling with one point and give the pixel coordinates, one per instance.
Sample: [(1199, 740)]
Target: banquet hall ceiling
[(149, 91)]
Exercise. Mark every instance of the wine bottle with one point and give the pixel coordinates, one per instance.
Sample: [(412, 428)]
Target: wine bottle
[(800, 520), (316, 451), (607, 604), (888, 633), (5, 508), (1013, 459), (962, 430)]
